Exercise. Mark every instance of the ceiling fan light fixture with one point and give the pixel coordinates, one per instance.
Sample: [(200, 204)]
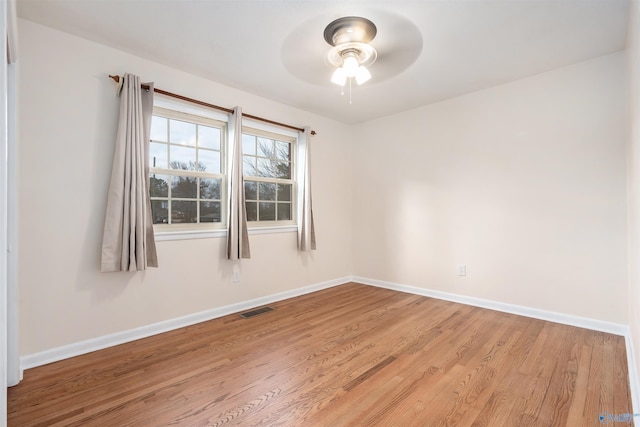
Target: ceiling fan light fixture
[(339, 77), (350, 65)]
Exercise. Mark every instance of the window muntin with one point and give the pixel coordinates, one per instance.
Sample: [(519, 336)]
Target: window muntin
[(268, 167), (187, 178)]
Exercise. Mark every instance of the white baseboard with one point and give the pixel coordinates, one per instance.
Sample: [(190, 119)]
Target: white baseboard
[(634, 379), (536, 313), (99, 343)]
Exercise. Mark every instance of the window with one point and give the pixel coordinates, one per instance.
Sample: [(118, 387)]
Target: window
[(187, 158), (268, 165)]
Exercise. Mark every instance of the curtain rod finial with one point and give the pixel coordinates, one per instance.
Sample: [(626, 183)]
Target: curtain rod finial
[(118, 82)]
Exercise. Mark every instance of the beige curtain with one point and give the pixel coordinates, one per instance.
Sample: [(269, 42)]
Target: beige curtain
[(306, 231), (128, 243), (237, 235)]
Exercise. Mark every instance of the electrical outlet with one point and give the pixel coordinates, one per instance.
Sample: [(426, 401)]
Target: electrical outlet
[(462, 270), (235, 275)]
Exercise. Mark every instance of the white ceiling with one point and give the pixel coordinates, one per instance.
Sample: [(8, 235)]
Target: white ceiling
[(428, 50)]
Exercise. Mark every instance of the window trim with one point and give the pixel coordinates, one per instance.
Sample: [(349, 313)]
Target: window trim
[(165, 236)]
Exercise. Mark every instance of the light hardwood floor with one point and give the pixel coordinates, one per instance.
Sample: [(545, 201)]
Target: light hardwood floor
[(346, 356)]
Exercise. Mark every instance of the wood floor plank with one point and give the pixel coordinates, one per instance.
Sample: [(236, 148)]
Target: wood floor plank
[(555, 406), (344, 356), (576, 411)]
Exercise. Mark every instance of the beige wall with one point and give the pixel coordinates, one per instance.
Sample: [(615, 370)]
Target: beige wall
[(633, 55), (68, 119), (524, 183)]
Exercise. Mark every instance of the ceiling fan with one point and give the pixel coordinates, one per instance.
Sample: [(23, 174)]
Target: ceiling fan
[(318, 53), (351, 53)]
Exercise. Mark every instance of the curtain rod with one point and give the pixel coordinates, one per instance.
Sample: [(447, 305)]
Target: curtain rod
[(116, 78)]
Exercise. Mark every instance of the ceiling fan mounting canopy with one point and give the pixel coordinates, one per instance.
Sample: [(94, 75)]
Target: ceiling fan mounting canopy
[(350, 29)]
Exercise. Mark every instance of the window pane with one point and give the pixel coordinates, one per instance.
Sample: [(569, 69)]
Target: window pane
[(248, 144), (265, 147), (267, 191), (182, 133), (209, 161), (210, 188), (267, 211), (158, 155), (249, 166), (284, 192), (159, 129), (183, 158), (283, 150), (252, 211), (159, 211), (159, 185), (250, 190), (184, 187), (210, 212), (284, 211), (183, 212), (209, 137), (266, 168), (283, 170)]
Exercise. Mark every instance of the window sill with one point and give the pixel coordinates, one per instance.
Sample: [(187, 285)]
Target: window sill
[(163, 236), (272, 230)]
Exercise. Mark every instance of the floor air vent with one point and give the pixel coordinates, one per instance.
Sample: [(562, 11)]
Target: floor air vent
[(255, 312)]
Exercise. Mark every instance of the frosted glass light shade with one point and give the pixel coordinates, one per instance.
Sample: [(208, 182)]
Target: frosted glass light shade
[(350, 66), (339, 77), (362, 75)]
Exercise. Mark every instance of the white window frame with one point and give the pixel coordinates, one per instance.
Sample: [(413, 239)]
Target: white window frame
[(278, 134), (190, 228)]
